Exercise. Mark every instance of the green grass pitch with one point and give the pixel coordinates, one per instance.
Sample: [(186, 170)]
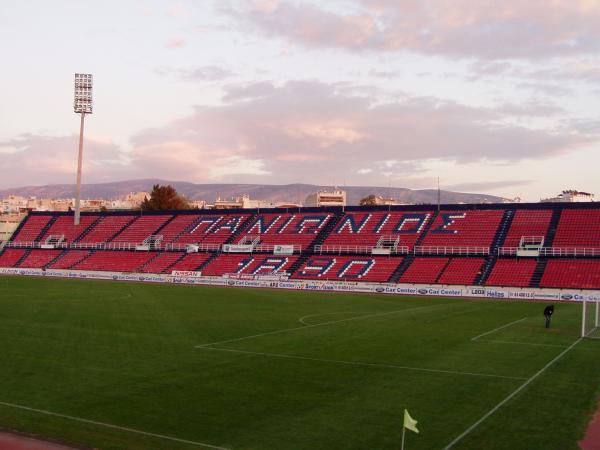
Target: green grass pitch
[(114, 365)]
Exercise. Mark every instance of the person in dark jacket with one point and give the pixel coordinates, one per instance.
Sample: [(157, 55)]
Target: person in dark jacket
[(548, 311)]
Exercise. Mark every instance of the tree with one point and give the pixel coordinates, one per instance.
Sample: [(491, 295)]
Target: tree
[(370, 200), (163, 198)]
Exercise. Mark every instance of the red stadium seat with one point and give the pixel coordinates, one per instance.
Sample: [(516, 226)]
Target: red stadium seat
[(366, 228), (107, 228), (64, 226), (141, 228), (287, 229), (93, 244), (572, 273), (39, 258), (191, 261), (249, 264), (578, 228), (464, 228), (10, 257), (348, 268), (69, 259), (528, 223), (32, 228), (424, 270), (115, 261), (512, 272), (161, 262)]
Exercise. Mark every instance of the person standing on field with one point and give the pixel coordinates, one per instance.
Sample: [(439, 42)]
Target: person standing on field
[(548, 311)]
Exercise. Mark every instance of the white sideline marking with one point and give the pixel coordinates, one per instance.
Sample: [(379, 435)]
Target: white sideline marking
[(301, 319), (498, 329), (510, 396), (284, 330), (108, 425), (526, 343), (357, 363)]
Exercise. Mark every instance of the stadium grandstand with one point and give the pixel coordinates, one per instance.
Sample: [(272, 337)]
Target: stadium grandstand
[(516, 245)]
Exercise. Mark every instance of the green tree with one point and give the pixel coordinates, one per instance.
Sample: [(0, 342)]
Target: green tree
[(370, 200), (163, 198)]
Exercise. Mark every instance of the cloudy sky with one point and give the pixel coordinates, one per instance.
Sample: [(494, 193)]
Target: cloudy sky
[(494, 97)]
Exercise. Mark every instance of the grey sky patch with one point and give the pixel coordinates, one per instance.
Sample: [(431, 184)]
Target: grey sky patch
[(485, 186), (206, 73)]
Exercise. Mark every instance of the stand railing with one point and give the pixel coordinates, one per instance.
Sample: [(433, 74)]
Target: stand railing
[(322, 249), (182, 247), (553, 251), (450, 250), (360, 249), (569, 251)]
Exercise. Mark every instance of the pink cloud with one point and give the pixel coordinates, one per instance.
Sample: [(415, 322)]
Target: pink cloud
[(35, 159), (176, 43), (297, 132), (481, 28), (305, 131)]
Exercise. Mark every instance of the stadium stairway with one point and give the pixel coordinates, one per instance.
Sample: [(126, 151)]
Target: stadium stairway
[(233, 238), (552, 227), (168, 268), (143, 266), (22, 258), (540, 267), (318, 240), (299, 262), (18, 229), (157, 232), (45, 228), (185, 230), (437, 280), (538, 273), (498, 242), (60, 255), (81, 255), (83, 259), (88, 229), (119, 231), (407, 261), (212, 257), (327, 229)]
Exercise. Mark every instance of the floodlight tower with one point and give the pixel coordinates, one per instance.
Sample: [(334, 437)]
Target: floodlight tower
[(82, 105)]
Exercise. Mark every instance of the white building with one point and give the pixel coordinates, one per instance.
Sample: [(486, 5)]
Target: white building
[(336, 197), (8, 224), (245, 202), (570, 196)]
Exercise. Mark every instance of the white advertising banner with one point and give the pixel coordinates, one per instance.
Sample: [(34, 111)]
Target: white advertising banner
[(280, 282), (237, 248), (186, 273), (283, 250)]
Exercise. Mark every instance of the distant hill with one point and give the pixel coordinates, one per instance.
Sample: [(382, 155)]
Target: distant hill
[(288, 192)]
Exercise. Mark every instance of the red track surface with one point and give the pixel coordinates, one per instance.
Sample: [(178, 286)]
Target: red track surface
[(10, 441), (591, 441)]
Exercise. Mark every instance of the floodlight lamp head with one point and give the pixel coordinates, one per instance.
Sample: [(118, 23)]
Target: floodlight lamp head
[(83, 93)]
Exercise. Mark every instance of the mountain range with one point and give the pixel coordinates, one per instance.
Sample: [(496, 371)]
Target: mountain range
[(295, 193)]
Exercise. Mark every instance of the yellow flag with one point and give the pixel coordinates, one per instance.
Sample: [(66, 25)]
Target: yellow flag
[(409, 422)]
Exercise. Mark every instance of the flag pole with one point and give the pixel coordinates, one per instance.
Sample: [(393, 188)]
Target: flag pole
[(403, 431)]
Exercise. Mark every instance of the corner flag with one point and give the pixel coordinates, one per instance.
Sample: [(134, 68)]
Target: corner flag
[(409, 422)]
